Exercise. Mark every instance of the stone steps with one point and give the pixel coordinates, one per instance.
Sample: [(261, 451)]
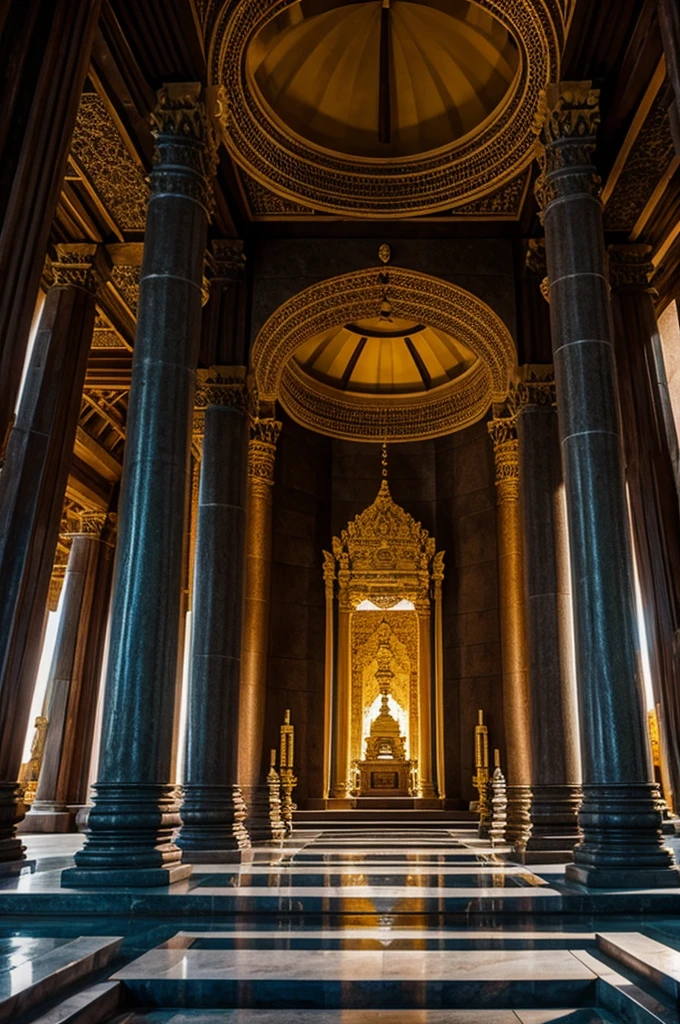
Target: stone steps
[(582, 1015), (652, 960), (23, 988), (91, 1005)]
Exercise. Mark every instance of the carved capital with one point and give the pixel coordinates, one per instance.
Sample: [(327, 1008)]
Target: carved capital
[(503, 433), (264, 433), (536, 387), (630, 266), (229, 260), (328, 572), (218, 385), (185, 156), (78, 265), (90, 524), (536, 262), (566, 126)]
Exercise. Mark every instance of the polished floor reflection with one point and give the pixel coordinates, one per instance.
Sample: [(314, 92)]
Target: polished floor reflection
[(338, 926)]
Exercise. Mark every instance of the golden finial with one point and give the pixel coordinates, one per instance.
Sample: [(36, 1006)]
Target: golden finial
[(384, 253)]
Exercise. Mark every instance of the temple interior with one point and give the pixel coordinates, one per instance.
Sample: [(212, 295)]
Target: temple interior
[(339, 511)]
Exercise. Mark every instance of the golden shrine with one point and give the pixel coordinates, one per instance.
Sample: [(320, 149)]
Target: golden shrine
[(384, 728)]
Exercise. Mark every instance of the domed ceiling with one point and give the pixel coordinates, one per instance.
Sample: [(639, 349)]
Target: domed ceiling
[(383, 78), (384, 356), (384, 108)]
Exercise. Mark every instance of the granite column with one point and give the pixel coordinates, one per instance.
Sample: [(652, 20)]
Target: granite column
[(263, 821), (620, 815), (651, 487), (32, 488), (74, 677), (47, 82), (514, 656), (555, 755), (213, 811), (135, 809)]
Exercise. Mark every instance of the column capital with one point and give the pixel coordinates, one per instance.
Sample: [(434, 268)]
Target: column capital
[(503, 432), (328, 572), (228, 260), (218, 385), (535, 261), (79, 265), (185, 157), (89, 524), (264, 433), (630, 266), (566, 125), (535, 387)]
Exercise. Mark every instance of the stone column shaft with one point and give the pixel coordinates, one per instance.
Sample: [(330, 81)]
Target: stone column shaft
[(135, 809), (74, 678), (652, 490), (555, 754), (426, 748), (514, 654), (213, 810), (620, 814), (32, 488), (33, 191), (263, 824)]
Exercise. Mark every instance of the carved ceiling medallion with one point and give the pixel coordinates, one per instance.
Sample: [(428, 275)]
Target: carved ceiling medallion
[(473, 165)]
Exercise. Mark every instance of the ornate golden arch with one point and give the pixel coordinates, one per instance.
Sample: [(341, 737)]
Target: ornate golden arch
[(358, 296)]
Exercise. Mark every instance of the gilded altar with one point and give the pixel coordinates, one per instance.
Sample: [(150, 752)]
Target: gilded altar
[(384, 713)]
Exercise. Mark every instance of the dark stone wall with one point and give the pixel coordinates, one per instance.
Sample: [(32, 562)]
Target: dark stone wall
[(301, 517), (466, 530), (283, 267), (448, 486)]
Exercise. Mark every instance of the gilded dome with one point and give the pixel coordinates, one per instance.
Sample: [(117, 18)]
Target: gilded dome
[(383, 78), (384, 356)]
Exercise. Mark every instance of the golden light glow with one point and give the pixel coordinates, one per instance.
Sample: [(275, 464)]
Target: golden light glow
[(317, 67), (384, 356)]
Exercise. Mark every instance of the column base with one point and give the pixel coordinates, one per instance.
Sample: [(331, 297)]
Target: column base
[(554, 824), (263, 819), (129, 842), (518, 827), (92, 878), (11, 813), (622, 844), (213, 823), (48, 821)]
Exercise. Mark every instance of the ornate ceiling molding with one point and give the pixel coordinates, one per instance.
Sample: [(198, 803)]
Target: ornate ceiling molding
[(360, 295), (468, 169)]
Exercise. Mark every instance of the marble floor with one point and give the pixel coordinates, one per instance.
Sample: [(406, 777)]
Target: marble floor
[(338, 926)]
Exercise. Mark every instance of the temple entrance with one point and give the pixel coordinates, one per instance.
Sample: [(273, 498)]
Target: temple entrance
[(384, 642)]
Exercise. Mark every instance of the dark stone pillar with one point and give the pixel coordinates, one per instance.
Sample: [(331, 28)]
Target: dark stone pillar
[(47, 81), (32, 488), (651, 487), (514, 654), (135, 809), (555, 755), (213, 811), (74, 677), (620, 815), (264, 819)]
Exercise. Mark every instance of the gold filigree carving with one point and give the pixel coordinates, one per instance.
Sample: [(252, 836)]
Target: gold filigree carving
[(504, 204), (102, 157), (503, 433), (360, 295), (469, 168), (105, 334), (648, 161), (536, 386), (77, 265), (229, 260), (264, 434), (265, 203)]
